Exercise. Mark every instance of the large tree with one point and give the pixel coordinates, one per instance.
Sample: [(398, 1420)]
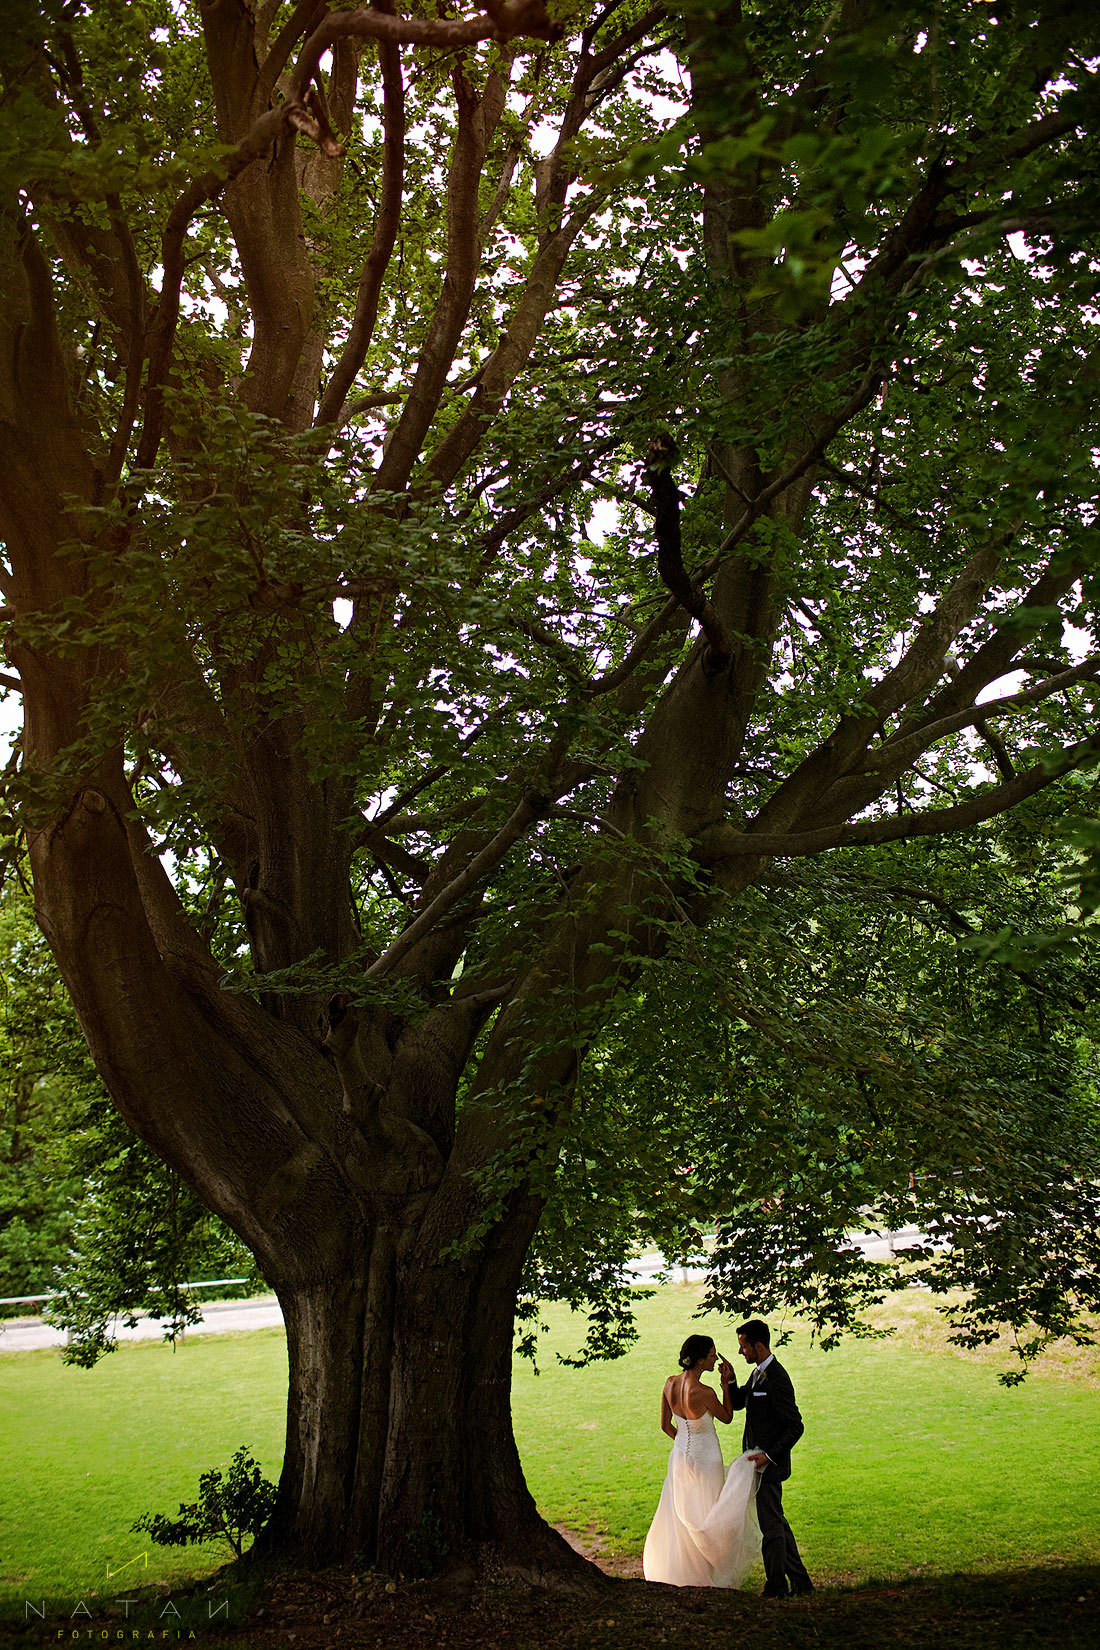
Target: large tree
[(364, 765)]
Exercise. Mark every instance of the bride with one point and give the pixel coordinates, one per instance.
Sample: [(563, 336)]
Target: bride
[(704, 1533)]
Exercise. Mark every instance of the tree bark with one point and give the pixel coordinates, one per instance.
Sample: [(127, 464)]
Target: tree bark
[(400, 1449)]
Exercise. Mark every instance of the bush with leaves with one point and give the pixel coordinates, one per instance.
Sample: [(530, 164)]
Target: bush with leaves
[(229, 1509)]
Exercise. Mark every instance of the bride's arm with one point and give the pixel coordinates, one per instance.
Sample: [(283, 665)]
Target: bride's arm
[(666, 1414), (723, 1410)]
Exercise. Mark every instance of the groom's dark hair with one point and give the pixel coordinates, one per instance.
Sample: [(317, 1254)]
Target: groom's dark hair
[(754, 1331)]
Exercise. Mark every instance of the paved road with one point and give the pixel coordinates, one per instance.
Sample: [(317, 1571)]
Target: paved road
[(875, 1246), (262, 1312), (219, 1318)]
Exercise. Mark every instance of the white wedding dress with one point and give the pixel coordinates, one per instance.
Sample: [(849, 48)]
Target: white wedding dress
[(704, 1533)]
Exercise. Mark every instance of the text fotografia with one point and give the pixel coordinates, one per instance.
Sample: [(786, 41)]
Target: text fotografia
[(162, 1620)]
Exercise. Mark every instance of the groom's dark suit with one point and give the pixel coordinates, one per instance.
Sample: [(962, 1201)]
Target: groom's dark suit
[(773, 1424)]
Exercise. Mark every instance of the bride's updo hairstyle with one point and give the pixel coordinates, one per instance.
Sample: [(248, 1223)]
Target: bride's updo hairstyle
[(695, 1348)]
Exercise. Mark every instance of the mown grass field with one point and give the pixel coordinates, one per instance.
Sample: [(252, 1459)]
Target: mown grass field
[(915, 1461)]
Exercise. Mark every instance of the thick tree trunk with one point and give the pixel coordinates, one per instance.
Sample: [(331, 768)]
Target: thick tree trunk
[(400, 1449)]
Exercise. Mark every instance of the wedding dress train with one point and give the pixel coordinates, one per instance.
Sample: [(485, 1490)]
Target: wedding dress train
[(704, 1532)]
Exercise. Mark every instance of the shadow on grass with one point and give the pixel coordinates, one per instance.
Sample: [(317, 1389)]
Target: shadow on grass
[(292, 1611), (210, 1610)]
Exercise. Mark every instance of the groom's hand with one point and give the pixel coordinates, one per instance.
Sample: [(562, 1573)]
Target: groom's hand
[(760, 1460)]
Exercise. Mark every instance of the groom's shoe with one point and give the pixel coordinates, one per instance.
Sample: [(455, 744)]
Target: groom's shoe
[(775, 1592), (799, 1589)]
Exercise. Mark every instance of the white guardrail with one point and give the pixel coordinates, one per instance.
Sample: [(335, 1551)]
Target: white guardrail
[(204, 1283)]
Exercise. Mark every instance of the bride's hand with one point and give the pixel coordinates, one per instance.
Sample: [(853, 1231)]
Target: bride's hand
[(725, 1370)]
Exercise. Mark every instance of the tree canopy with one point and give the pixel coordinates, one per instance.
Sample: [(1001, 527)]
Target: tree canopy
[(488, 502), (903, 1038)]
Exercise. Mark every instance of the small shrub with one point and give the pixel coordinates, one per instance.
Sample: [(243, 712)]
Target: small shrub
[(229, 1510)]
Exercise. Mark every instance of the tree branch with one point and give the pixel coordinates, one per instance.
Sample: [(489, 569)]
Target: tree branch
[(303, 20), (553, 176), (433, 774), (478, 118), (657, 472), (303, 111), (956, 920), (410, 824), (532, 807), (511, 354), (996, 656), (165, 319), (639, 652), (871, 382), (491, 543), (906, 750), (554, 645), (726, 843), (386, 226), (501, 22), (919, 667), (393, 854)]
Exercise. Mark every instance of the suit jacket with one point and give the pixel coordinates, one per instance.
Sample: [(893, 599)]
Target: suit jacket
[(772, 1420)]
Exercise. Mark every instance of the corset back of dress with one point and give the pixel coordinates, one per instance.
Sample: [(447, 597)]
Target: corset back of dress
[(691, 1436)]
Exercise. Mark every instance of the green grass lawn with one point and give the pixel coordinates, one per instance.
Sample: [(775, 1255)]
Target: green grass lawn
[(913, 1460), (88, 1451)]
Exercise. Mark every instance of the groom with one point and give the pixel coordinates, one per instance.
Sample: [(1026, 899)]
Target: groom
[(772, 1426)]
